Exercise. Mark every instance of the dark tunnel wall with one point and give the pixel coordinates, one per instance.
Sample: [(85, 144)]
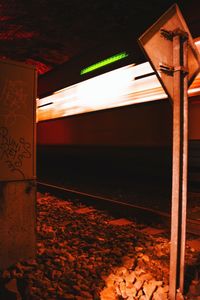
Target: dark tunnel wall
[(147, 124), (194, 120), (134, 141)]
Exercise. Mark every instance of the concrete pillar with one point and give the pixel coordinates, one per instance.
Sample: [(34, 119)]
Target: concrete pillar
[(17, 162)]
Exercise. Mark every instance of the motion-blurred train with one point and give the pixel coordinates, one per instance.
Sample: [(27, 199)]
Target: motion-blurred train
[(100, 106)]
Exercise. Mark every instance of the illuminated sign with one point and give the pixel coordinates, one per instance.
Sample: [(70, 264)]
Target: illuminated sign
[(104, 62)]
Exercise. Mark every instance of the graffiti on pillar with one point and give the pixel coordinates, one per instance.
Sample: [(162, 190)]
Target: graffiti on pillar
[(13, 152), (13, 101)]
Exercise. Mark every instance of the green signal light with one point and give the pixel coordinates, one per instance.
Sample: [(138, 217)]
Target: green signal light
[(104, 62)]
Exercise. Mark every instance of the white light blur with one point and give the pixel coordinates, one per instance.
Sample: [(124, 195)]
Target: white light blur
[(194, 91), (113, 89), (197, 43), (110, 87)]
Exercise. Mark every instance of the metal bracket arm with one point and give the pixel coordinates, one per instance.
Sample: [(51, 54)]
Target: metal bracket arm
[(183, 34), (168, 70), (168, 34), (181, 69)]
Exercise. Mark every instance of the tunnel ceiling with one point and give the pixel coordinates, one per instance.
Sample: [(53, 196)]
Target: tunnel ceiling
[(46, 33)]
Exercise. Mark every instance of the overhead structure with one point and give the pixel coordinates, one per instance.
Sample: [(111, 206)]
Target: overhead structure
[(171, 51)]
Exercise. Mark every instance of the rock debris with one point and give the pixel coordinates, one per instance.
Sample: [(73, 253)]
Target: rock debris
[(83, 255)]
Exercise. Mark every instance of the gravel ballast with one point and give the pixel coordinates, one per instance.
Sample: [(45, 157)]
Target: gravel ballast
[(82, 254)]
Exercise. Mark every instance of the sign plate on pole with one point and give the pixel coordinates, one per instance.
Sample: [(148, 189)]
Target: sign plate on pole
[(159, 49), (170, 49)]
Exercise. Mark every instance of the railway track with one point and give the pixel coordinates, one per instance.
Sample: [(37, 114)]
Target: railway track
[(119, 208), (81, 249)]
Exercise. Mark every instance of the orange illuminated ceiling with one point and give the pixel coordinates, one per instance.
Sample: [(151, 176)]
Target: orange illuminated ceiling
[(47, 33)]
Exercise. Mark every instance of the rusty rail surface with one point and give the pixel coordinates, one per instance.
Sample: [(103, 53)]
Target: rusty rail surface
[(120, 208)]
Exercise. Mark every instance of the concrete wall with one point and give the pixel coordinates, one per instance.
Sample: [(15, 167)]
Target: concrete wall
[(17, 162), (17, 222)]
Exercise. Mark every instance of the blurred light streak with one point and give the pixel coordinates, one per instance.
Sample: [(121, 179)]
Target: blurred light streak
[(128, 85)]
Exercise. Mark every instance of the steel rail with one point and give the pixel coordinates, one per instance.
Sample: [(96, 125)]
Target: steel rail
[(120, 208)]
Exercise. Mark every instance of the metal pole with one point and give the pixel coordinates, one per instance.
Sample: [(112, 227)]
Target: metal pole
[(175, 173), (185, 164), (179, 168)]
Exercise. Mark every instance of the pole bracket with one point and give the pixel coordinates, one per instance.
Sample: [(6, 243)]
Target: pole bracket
[(168, 70), (183, 34), (181, 69), (169, 34)]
